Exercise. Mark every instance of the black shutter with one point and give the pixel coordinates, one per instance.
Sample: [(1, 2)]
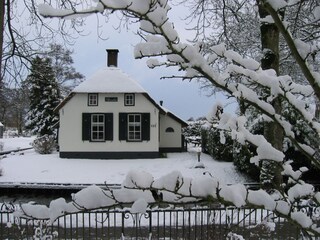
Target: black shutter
[(145, 126), (108, 119), (86, 126), (123, 124)]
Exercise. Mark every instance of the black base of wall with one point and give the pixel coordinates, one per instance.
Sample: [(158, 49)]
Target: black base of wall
[(171, 150), (109, 155)]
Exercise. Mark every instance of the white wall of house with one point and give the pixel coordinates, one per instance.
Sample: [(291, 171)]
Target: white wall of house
[(70, 132), (169, 139)]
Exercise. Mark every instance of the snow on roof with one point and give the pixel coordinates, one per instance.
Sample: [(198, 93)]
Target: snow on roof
[(114, 80), (172, 115), (109, 80)]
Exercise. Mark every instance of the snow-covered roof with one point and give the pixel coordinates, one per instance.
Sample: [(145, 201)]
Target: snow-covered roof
[(109, 80), (169, 113), (114, 80)]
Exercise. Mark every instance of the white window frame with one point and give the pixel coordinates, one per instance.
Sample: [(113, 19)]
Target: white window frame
[(129, 99), (134, 127), (93, 99), (97, 127)]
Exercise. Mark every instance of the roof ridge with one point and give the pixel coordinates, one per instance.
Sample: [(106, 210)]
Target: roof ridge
[(109, 80)]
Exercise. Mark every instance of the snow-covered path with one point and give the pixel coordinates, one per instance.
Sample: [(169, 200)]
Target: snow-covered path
[(32, 167)]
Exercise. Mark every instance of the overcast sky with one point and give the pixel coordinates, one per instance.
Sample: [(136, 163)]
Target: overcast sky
[(183, 98)]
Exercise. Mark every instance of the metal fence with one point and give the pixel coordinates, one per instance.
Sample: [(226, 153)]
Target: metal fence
[(196, 222)]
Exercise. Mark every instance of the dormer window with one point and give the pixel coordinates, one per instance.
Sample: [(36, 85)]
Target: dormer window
[(129, 99), (93, 99)]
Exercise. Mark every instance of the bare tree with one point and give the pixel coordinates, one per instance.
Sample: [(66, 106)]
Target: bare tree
[(24, 33)]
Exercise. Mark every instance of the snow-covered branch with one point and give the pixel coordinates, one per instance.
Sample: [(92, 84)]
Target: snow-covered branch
[(174, 188)]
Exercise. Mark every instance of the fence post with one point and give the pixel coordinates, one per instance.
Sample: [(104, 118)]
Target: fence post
[(150, 222), (122, 224)]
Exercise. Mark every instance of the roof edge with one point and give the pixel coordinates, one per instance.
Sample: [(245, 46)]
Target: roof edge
[(64, 102)]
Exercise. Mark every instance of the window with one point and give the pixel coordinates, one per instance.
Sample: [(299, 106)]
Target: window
[(111, 99), (134, 127), (93, 99), (97, 127), (169, 129), (129, 99)]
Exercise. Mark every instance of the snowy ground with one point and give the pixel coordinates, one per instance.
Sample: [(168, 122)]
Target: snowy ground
[(36, 168)]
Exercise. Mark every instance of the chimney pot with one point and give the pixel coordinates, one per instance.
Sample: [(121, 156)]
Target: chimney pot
[(112, 60), (161, 103)]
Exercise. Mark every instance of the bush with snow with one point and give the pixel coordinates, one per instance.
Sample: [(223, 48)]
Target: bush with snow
[(45, 144)]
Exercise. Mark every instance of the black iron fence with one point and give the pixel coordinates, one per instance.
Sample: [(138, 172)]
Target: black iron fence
[(196, 222)]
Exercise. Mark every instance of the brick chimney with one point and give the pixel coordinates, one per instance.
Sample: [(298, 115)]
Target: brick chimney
[(112, 59)]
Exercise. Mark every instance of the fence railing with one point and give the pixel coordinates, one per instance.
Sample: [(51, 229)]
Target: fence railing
[(196, 222)]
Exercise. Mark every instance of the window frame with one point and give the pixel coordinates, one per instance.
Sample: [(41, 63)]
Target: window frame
[(132, 131), (100, 127), (91, 101), (131, 101)]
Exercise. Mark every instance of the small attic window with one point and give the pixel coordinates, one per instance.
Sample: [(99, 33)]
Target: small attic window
[(170, 129), (129, 99), (92, 99)]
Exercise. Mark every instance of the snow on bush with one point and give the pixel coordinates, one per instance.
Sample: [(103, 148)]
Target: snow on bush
[(45, 144)]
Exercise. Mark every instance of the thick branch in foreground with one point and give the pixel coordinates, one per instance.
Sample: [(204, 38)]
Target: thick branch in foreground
[(293, 48)]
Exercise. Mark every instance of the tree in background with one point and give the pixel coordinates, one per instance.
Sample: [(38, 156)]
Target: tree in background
[(44, 97), (23, 33), (66, 75), (14, 99)]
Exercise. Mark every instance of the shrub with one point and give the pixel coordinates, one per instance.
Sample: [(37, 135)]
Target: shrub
[(217, 143), (45, 144)]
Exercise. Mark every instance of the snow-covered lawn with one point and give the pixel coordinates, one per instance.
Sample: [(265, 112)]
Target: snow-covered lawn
[(35, 168)]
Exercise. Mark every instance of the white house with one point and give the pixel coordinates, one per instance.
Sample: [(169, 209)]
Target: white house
[(110, 116)]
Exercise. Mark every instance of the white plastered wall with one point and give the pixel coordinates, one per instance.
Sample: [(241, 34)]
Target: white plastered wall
[(70, 132), (169, 139)]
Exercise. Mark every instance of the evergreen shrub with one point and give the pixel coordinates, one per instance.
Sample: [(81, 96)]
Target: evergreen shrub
[(45, 144)]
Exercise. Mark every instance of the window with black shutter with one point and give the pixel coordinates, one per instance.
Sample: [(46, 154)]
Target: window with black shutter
[(97, 127), (134, 126)]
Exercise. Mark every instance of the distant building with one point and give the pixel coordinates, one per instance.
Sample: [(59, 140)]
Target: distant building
[(110, 116)]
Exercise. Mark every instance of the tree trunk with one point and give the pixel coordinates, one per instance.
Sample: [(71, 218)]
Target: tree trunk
[(2, 14), (270, 176)]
